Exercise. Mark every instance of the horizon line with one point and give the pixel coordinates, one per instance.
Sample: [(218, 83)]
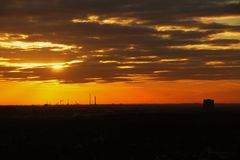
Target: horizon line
[(108, 104)]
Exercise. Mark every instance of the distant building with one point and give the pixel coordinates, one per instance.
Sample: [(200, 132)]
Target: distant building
[(95, 100), (208, 104)]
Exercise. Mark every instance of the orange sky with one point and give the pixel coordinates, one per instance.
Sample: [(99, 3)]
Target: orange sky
[(148, 92), (123, 52)]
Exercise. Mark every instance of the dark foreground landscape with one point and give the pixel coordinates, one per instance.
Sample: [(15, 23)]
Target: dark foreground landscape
[(120, 132)]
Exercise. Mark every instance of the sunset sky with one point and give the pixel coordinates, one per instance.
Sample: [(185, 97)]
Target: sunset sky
[(122, 51)]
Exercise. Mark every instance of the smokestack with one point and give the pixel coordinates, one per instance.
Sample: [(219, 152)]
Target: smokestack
[(95, 100)]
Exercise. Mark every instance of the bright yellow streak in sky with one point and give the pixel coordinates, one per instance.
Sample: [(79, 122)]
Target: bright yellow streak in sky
[(233, 20), (125, 67), (109, 20), (175, 28), (213, 63), (56, 65), (207, 47), (225, 35), (36, 45)]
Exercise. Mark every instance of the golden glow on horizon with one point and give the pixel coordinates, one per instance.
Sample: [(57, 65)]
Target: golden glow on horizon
[(148, 92)]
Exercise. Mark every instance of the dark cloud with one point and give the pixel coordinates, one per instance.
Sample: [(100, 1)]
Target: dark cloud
[(124, 34)]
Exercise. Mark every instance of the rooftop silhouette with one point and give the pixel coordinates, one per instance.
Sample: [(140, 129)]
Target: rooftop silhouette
[(208, 104)]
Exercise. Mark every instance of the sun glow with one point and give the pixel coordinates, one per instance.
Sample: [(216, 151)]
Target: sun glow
[(58, 67)]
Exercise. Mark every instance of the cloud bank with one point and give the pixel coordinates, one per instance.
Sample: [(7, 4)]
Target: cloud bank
[(105, 41)]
